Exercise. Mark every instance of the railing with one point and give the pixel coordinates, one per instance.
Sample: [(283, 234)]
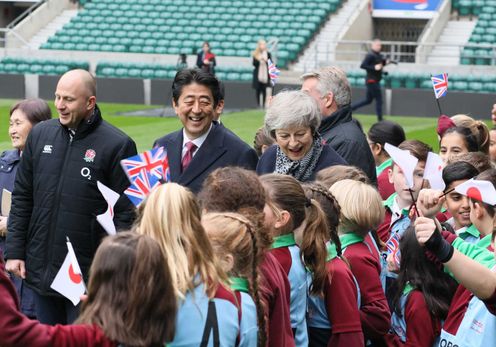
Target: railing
[(25, 14), (3, 36), (407, 52)]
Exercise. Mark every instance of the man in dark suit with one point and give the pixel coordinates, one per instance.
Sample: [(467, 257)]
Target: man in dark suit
[(202, 145)]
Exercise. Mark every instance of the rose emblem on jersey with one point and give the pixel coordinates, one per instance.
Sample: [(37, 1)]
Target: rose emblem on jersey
[(89, 156)]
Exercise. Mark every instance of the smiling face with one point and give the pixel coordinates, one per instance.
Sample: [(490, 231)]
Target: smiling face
[(458, 206), (397, 178), (195, 109), (452, 144), (19, 128), (73, 99), (295, 142)]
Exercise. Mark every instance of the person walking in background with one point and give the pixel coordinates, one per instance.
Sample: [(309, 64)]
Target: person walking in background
[(182, 62), (24, 115), (206, 59), (56, 195), (261, 79), (373, 63)]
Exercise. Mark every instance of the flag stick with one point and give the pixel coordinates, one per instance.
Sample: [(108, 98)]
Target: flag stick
[(414, 205), (438, 106)]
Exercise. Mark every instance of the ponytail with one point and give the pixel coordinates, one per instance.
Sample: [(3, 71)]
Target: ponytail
[(483, 136), (313, 246)]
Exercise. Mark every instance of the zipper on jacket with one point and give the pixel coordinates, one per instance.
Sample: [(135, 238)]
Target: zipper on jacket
[(48, 255)]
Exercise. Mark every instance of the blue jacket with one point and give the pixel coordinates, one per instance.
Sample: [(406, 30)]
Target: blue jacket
[(221, 148), (9, 161), (329, 157)]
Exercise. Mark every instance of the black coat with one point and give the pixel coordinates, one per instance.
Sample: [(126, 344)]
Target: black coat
[(328, 157), (368, 64), (221, 148), (255, 82), (56, 195), (346, 136)]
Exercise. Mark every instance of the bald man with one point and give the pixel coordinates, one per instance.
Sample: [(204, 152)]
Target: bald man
[(56, 195)]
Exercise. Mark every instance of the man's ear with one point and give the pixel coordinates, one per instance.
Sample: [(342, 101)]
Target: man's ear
[(174, 105), (91, 102), (329, 100)]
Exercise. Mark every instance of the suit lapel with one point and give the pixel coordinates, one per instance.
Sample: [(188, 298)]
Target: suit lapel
[(174, 150), (208, 153)]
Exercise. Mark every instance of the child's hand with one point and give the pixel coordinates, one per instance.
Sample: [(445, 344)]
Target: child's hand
[(430, 202), (392, 265), (424, 228), (429, 235)]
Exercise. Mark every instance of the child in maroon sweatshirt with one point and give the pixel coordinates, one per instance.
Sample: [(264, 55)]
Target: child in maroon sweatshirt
[(125, 266), (364, 261)]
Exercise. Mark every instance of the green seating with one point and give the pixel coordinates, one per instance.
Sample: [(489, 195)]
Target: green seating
[(108, 22)]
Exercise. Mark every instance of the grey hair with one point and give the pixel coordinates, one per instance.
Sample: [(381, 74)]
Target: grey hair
[(332, 80), (290, 109)]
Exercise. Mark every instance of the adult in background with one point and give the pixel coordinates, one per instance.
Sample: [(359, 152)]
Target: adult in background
[(373, 63), (24, 115), (261, 80), (202, 145), (205, 59), (56, 195), (292, 120), (330, 87)]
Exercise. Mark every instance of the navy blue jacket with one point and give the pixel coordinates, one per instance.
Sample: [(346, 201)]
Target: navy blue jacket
[(345, 135), (9, 161), (328, 157), (221, 148), (55, 195)]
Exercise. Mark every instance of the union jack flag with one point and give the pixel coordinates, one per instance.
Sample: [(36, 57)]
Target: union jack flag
[(153, 161), (273, 72), (393, 243), (141, 186), (440, 85)]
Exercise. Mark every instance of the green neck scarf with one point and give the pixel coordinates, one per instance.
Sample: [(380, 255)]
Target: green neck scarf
[(379, 169), (239, 284), (349, 239), (331, 251), (283, 241)]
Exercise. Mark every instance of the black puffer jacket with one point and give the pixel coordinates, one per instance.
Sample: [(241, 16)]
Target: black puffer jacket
[(346, 136), (55, 195)]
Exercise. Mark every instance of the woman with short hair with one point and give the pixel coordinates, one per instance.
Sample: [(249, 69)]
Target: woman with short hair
[(292, 120)]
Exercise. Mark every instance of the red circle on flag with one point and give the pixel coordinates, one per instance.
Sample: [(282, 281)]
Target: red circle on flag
[(76, 278), (474, 193)]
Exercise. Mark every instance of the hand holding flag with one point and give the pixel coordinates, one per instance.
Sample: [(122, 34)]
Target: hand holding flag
[(433, 171), (273, 72), (106, 219), (69, 280)]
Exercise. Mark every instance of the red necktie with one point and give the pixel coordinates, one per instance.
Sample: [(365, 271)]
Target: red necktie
[(188, 156)]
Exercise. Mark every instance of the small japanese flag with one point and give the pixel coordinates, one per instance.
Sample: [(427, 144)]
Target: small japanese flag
[(483, 191), (69, 279), (434, 171), (106, 219), (404, 160)]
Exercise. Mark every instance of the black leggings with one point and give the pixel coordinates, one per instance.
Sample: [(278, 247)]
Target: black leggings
[(261, 90)]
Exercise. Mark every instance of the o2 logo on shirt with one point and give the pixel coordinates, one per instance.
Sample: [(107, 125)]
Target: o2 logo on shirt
[(86, 173)]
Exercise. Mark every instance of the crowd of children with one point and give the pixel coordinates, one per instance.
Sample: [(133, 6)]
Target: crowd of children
[(270, 261)]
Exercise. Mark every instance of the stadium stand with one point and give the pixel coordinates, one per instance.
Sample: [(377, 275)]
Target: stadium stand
[(180, 26), (484, 31), (395, 80), (14, 65)]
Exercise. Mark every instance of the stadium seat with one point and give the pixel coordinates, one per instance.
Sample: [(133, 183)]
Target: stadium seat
[(223, 21)]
